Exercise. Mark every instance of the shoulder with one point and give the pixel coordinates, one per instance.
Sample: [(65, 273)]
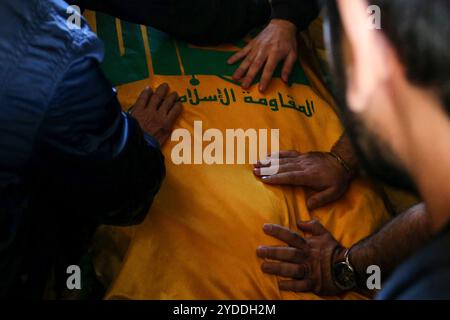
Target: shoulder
[(65, 23), (38, 48), (424, 276), (40, 41), (434, 285)]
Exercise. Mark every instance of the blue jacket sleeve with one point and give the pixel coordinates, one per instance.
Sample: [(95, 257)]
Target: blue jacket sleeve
[(92, 159)]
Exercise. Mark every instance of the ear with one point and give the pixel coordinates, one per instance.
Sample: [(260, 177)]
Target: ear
[(367, 48)]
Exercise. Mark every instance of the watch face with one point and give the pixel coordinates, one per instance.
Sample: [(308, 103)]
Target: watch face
[(344, 276)]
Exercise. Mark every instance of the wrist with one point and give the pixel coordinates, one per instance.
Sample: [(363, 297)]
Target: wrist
[(344, 275), (349, 170), (339, 254), (286, 24), (346, 158), (350, 255)]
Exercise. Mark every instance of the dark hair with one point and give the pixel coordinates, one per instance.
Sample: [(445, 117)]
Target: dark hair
[(420, 32)]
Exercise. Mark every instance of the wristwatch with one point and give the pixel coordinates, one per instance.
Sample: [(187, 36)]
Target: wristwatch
[(344, 275)]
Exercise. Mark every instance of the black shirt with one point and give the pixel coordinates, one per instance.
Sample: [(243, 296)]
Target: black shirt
[(207, 22)]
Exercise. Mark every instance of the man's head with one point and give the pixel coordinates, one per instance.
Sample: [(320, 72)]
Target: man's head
[(384, 76)]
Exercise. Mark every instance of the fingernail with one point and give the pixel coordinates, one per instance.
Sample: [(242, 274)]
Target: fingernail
[(262, 88), (261, 251), (265, 177), (267, 227)]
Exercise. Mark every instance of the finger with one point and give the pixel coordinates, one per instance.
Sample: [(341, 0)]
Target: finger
[(254, 69), (174, 113), (292, 238), (285, 178), (322, 198), (284, 254), (282, 167), (288, 66), (240, 72), (143, 99), (158, 96), (284, 269), (277, 156), (269, 69), (295, 285), (298, 178), (313, 227), (274, 162), (168, 103), (284, 154), (239, 55)]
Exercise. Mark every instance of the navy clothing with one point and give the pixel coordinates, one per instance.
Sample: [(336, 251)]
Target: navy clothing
[(207, 22), (299, 12), (425, 276), (69, 158)]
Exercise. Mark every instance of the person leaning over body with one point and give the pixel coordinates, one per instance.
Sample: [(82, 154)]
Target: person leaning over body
[(213, 22), (69, 158), (325, 175), (395, 82)]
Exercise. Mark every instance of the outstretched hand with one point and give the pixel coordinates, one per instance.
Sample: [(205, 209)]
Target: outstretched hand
[(156, 112), (276, 43), (306, 261), (325, 180)]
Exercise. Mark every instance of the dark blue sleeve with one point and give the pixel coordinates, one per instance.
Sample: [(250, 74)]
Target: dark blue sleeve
[(202, 22), (299, 12), (91, 159)]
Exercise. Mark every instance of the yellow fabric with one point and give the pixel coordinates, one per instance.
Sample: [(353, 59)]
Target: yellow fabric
[(200, 237)]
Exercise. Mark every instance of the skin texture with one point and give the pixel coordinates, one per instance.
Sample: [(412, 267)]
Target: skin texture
[(276, 43), (306, 260), (403, 118), (156, 112), (324, 178)]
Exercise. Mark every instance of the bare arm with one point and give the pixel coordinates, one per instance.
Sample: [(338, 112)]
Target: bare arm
[(393, 243), (343, 148), (307, 261)]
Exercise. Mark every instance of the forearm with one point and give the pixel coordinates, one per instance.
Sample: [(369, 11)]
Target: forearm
[(343, 149), (393, 243), (299, 12)]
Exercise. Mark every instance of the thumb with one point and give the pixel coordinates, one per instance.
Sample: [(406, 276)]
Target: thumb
[(313, 227), (320, 199)]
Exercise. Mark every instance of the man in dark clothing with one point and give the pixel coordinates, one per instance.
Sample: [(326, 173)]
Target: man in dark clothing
[(212, 22), (276, 44), (208, 22), (69, 158), (393, 84)]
